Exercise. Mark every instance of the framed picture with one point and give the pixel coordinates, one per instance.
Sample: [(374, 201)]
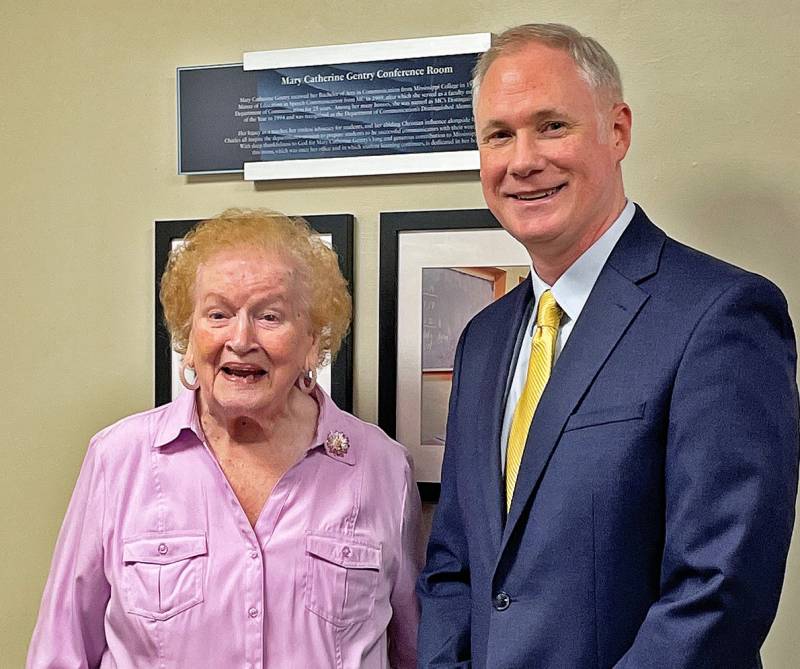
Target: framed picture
[(437, 270), (337, 378)]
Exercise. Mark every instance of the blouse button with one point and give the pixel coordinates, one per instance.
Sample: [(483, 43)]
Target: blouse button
[(252, 612), (162, 549), (253, 554), (346, 552)]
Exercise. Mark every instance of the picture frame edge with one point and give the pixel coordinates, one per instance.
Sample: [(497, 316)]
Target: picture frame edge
[(392, 224)]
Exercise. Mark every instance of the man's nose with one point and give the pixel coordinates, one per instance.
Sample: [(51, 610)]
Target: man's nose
[(527, 157)]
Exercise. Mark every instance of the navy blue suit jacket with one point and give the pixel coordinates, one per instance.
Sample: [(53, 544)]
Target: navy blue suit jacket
[(655, 500)]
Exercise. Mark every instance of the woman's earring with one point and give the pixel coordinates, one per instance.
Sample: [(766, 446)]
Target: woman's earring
[(182, 374), (307, 381)]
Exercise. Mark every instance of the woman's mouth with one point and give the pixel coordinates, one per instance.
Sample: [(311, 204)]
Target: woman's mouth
[(243, 373)]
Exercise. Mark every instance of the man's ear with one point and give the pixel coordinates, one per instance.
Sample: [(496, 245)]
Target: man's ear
[(622, 120)]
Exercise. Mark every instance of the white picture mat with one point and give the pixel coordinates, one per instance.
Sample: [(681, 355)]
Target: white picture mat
[(403, 163), (359, 52), (323, 374), (416, 250)]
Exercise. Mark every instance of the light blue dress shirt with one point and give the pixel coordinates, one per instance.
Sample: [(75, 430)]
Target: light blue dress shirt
[(571, 291)]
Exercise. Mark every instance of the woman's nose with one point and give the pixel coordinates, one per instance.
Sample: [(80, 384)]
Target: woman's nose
[(242, 338)]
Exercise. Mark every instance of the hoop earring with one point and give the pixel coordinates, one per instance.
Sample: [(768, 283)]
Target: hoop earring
[(182, 375), (307, 381)]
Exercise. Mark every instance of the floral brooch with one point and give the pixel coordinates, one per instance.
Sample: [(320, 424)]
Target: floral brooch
[(337, 444)]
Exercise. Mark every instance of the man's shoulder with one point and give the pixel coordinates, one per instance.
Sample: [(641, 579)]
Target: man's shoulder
[(679, 267), (679, 257)]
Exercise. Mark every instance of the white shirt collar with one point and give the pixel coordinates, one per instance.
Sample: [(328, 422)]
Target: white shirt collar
[(572, 288)]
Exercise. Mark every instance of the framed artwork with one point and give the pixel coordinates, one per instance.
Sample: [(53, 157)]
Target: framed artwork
[(437, 270), (337, 378)]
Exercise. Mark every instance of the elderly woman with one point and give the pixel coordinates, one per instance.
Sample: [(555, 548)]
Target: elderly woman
[(249, 523)]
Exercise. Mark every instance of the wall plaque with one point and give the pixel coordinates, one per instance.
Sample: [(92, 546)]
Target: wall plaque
[(357, 109)]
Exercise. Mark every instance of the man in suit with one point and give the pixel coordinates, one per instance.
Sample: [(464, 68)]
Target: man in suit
[(620, 473)]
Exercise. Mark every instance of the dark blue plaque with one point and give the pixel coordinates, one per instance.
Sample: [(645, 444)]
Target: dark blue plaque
[(229, 116)]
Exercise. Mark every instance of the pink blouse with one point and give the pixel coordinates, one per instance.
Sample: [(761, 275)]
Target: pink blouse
[(157, 565)]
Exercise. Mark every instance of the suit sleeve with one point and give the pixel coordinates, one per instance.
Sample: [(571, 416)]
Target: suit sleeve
[(731, 464), (70, 628), (444, 585)]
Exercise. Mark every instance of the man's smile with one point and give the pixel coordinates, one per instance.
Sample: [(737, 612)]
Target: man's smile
[(529, 196)]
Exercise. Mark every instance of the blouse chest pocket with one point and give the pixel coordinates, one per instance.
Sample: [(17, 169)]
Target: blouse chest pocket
[(341, 577), (163, 573)]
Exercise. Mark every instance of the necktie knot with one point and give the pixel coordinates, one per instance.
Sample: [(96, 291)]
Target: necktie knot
[(549, 313)]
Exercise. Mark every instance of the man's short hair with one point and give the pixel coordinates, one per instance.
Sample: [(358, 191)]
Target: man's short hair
[(594, 63)]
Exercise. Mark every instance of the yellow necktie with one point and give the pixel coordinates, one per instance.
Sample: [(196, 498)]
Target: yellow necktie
[(548, 317)]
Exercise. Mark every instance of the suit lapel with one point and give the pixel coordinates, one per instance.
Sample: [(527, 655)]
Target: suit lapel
[(612, 306), (504, 337)]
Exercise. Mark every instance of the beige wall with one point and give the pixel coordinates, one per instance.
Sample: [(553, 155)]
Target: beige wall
[(87, 163)]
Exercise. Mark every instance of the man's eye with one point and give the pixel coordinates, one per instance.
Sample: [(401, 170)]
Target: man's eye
[(216, 315), (497, 136), (270, 318), (554, 126)]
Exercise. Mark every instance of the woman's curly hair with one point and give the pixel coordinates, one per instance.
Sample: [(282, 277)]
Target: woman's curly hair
[(322, 286)]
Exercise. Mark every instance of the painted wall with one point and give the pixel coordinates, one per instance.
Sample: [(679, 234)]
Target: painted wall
[(87, 163)]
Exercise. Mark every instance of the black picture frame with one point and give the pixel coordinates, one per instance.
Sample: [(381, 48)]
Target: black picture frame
[(392, 226), (338, 226)]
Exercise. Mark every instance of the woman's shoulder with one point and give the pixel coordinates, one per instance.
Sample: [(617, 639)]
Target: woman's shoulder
[(372, 444), (142, 429)]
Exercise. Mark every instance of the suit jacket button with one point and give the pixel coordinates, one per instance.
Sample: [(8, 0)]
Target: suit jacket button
[(501, 601)]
